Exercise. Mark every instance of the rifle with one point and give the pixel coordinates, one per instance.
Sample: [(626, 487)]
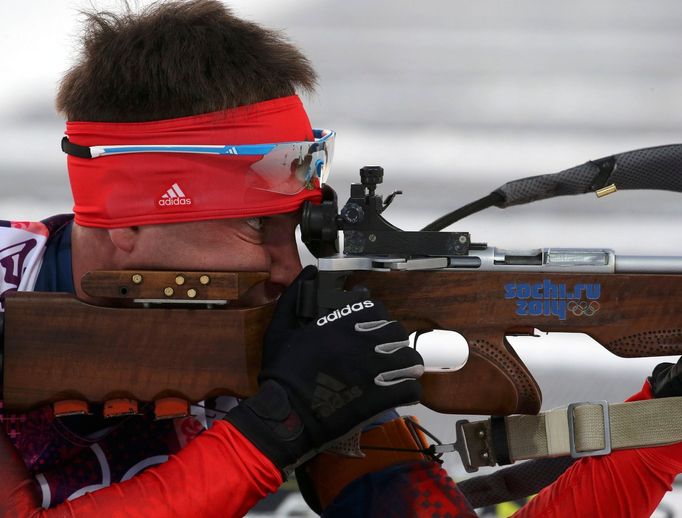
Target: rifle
[(190, 344)]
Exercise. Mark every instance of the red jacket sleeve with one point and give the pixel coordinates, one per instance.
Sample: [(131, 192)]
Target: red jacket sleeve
[(624, 483), (220, 473)]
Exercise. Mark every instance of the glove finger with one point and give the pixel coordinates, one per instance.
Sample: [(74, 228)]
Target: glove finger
[(401, 340), (676, 369), (382, 331), (405, 393), (661, 368), (285, 317), (391, 347), (366, 327), (386, 379), (666, 380), (402, 358)]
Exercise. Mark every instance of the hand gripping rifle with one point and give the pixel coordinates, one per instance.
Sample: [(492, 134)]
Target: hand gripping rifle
[(173, 336)]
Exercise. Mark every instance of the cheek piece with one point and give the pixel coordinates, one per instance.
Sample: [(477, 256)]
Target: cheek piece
[(253, 160)]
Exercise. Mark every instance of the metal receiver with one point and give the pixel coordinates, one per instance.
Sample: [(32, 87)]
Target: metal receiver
[(365, 231)]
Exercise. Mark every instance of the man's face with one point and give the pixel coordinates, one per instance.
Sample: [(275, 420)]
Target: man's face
[(265, 244)]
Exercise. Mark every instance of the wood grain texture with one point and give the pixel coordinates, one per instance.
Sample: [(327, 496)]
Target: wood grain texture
[(635, 315), (121, 284), (99, 353)]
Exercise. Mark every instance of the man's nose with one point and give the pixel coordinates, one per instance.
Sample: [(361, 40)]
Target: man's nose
[(285, 266), (285, 263)]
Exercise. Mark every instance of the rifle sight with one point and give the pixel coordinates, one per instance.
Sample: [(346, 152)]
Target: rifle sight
[(365, 231)]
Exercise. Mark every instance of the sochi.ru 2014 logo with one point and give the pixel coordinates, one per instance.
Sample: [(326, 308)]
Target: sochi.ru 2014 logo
[(554, 299)]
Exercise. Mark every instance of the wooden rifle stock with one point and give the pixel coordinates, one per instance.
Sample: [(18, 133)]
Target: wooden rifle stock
[(635, 315), (57, 347)]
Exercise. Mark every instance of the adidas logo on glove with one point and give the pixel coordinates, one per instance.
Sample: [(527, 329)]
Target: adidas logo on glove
[(344, 311), (330, 395)]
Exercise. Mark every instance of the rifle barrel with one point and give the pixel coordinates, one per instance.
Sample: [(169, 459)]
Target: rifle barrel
[(648, 264)]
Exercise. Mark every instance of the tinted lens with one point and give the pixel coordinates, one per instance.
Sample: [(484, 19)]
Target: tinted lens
[(291, 167), (325, 167)]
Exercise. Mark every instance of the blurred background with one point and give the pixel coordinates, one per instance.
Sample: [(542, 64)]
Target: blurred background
[(453, 99)]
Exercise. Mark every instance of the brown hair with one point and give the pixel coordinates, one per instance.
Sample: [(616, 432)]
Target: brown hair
[(175, 59)]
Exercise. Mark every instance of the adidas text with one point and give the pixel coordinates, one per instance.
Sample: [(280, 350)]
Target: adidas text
[(175, 201), (344, 311), (174, 195)]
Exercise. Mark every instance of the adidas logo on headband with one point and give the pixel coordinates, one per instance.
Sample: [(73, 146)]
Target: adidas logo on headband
[(174, 196)]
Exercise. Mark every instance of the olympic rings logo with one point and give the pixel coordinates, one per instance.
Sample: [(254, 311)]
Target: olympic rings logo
[(583, 308)]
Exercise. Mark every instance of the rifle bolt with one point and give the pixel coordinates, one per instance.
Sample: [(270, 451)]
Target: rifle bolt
[(372, 238), (191, 293), (179, 280), (136, 278), (204, 279), (168, 292)]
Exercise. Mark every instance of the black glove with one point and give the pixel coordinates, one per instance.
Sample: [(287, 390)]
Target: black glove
[(322, 380), (666, 379)]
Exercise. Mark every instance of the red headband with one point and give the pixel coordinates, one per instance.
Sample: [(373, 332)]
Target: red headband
[(150, 188)]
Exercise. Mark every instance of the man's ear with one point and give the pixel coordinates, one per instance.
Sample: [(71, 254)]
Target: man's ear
[(125, 238)]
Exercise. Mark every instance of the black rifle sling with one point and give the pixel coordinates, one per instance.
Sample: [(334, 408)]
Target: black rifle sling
[(657, 168), (513, 483)]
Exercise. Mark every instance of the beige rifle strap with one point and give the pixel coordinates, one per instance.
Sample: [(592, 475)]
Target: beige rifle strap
[(580, 430)]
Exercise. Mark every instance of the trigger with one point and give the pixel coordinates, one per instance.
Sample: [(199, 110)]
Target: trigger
[(348, 446)]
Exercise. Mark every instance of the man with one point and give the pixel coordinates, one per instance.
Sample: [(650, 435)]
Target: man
[(191, 74), (210, 78)]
